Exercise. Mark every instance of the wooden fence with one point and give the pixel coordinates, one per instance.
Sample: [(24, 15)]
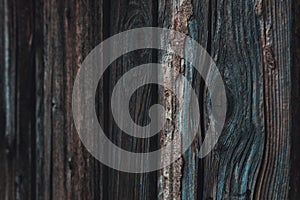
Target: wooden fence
[(256, 46)]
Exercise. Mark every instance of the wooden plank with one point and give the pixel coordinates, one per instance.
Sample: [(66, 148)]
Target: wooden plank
[(253, 143), (66, 170), (256, 47), (25, 104), (251, 48), (295, 99), (17, 149), (234, 42), (8, 99), (274, 174), (125, 15), (179, 180)]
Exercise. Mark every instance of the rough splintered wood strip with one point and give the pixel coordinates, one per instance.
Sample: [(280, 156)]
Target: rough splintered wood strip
[(176, 15)]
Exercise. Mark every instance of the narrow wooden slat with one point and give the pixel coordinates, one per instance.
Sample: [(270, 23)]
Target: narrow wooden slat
[(125, 15), (274, 174), (8, 100), (255, 45), (71, 31), (3, 183), (295, 106), (42, 178), (18, 85), (234, 42), (25, 116), (179, 180)]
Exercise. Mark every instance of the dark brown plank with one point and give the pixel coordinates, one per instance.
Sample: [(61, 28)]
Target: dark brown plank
[(66, 170), (295, 99), (8, 100), (17, 52), (125, 15), (256, 47)]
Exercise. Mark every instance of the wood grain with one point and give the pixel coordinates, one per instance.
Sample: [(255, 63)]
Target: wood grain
[(295, 99), (17, 71), (66, 170), (234, 42), (273, 179), (126, 15), (255, 44), (248, 161), (179, 180)]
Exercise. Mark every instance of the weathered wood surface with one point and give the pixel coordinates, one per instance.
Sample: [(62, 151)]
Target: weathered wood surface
[(125, 15), (295, 99), (255, 45)]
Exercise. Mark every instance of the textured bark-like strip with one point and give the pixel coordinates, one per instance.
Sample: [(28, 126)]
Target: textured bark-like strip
[(174, 15)]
